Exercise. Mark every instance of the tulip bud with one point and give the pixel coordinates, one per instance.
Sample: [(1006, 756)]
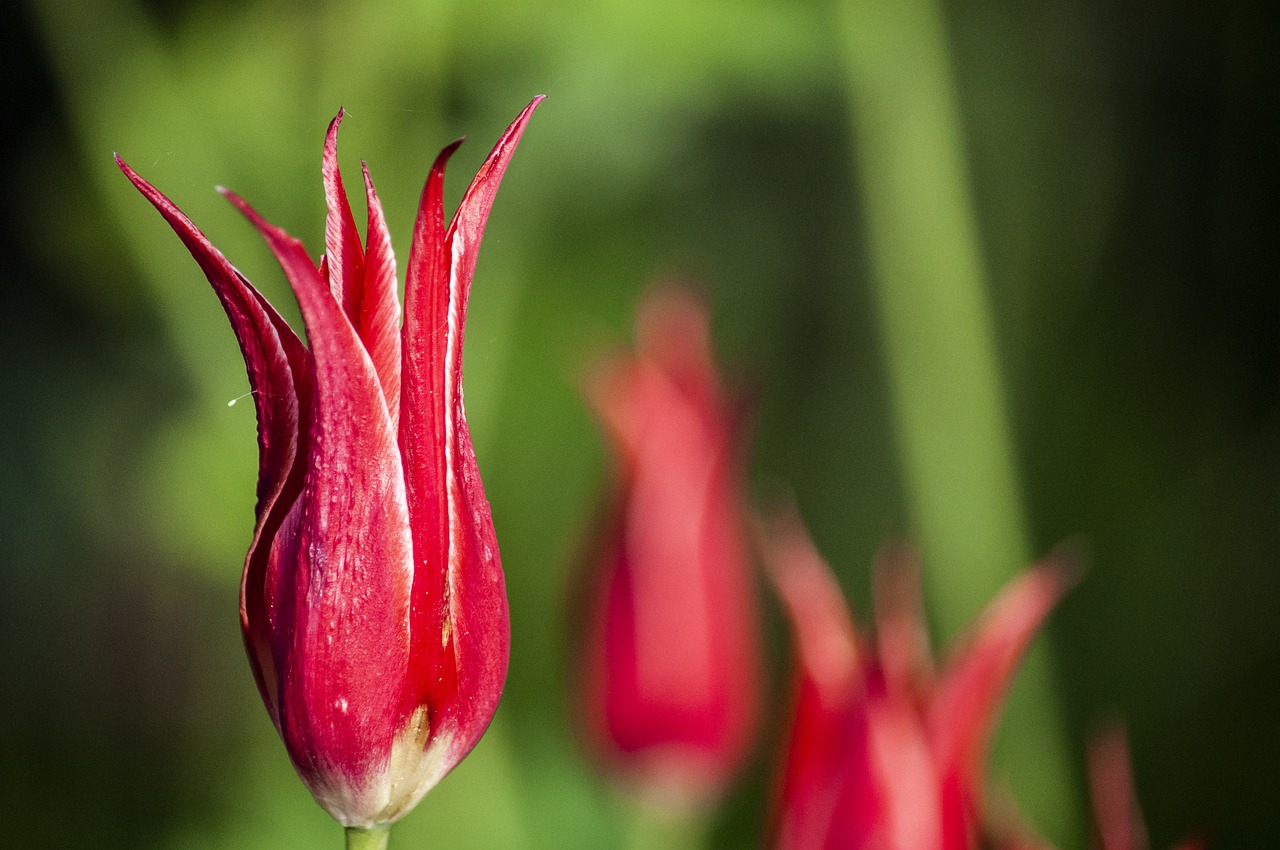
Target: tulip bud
[(670, 665), (373, 604)]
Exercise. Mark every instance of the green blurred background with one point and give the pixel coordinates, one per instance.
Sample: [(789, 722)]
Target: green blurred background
[(1000, 274)]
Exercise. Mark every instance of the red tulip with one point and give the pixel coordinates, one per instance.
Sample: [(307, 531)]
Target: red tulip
[(373, 603), (884, 753), (671, 656)]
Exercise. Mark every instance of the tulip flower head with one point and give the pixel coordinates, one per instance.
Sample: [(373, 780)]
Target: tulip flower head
[(670, 666), (373, 604), (885, 752)]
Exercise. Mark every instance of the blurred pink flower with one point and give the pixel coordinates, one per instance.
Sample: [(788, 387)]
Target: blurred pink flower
[(373, 604), (671, 655), (883, 752)]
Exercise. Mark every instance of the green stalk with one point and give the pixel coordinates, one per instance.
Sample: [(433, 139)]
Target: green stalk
[(651, 827), (952, 429), (368, 839)]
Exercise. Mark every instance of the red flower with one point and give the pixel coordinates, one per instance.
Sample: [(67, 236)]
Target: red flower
[(373, 604), (671, 667), (883, 753)]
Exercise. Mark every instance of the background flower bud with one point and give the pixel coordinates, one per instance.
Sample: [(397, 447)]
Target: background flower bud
[(670, 656)]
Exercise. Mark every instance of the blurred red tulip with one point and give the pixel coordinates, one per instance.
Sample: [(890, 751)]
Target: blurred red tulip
[(373, 604), (671, 656), (884, 753)]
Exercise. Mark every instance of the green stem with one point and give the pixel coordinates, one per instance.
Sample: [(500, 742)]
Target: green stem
[(368, 839), (952, 428), (653, 828)]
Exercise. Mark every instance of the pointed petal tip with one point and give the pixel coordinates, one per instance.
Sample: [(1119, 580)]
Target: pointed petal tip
[(1069, 561), (442, 158), (246, 209), (133, 176), (1019, 610), (790, 559), (1060, 570), (770, 525), (151, 193), (523, 117), (1117, 815), (825, 636)]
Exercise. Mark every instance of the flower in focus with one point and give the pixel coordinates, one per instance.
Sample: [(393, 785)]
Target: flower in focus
[(373, 603), (884, 752), (670, 668)]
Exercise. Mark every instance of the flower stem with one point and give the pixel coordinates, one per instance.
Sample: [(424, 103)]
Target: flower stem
[(368, 839), (651, 828)]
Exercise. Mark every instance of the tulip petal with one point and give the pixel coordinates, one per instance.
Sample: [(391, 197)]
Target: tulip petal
[(280, 379), (379, 321), (976, 679), (261, 333), (902, 639), (347, 536), (828, 737), (459, 596), (363, 280), (344, 256), (423, 438), (826, 639), (860, 772), (468, 222), (1117, 816)]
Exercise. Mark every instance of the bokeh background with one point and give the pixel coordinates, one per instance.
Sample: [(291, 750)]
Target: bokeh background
[(1097, 181)]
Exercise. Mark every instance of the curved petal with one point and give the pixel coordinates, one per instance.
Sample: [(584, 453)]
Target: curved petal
[(423, 436), (977, 677), (859, 771), (468, 223), (279, 377), (343, 254), (1117, 816), (341, 611), (460, 606), (827, 755), (379, 320), (902, 639)]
